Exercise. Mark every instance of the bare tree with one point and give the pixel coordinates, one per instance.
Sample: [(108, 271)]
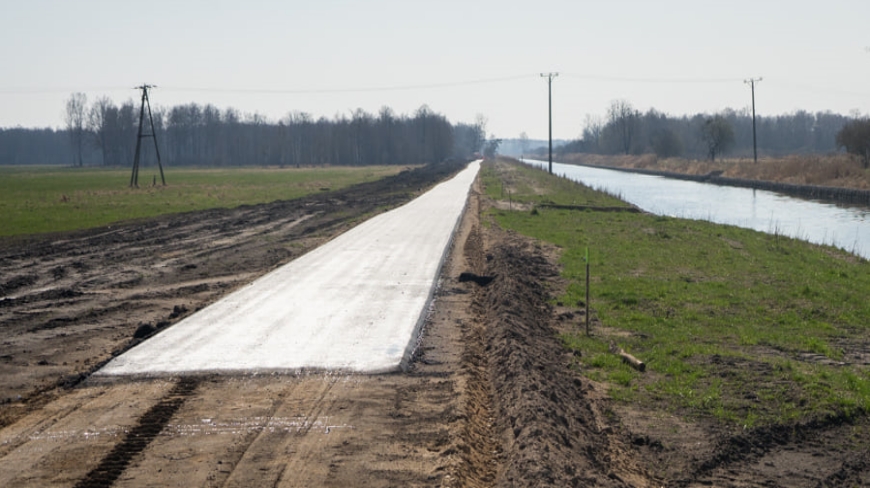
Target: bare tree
[(592, 130), (524, 143), (490, 150), (100, 125), (855, 137), (718, 135), (622, 121), (127, 128), (75, 123), (480, 138), (666, 143), (386, 123), (623, 118)]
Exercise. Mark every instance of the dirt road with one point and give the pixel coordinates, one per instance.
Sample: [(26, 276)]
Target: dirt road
[(490, 398)]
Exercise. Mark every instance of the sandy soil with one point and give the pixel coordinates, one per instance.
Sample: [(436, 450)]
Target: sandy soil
[(490, 399)]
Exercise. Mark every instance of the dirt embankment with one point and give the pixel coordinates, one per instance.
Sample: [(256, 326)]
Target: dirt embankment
[(550, 421)]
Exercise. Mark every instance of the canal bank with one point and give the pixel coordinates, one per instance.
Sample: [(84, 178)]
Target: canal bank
[(756, 346), (812, 192), (772, 212)]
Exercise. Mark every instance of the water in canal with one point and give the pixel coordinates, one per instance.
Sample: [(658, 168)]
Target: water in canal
[(822, 223)]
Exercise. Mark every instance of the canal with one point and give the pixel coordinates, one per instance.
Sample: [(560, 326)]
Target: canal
[(844, 227)]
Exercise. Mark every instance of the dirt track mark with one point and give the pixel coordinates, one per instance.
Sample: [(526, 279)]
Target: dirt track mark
[(480, 446), (854, 471), (761, 445), (147, 428), (263, 463), (26, 431)]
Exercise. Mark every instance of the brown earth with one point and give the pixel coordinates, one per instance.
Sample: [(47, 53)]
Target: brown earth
[(490, 399)]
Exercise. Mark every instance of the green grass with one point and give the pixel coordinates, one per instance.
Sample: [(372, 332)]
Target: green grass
[(732, 323), (524, 184), (51, 199)]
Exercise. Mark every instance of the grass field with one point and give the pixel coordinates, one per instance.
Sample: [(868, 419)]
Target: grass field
[(745, 327), (52, 199)]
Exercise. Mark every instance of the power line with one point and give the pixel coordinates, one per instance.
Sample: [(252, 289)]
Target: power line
[(24, 90), (629, 79), (18, 90), (314, 91), (821, 90), (352, 89)]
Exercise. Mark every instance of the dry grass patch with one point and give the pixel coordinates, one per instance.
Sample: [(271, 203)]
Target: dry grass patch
[(838, 170)]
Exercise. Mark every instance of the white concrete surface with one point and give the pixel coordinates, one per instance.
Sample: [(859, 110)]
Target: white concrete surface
[(354, 304)]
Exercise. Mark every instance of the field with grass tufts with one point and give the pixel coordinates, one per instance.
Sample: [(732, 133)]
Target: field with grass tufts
[(53, 199)]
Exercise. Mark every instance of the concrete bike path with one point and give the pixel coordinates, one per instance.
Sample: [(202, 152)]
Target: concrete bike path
[(354, 304)]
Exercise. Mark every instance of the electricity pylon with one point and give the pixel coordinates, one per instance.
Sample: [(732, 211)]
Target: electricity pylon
[(134, 178)]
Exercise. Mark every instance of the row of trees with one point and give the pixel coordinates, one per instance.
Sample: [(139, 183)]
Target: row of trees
[(103, 133), (626, 130)]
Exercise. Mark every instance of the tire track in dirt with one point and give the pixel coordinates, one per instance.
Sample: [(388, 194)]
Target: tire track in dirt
[(479, 447), (64, 440), (259, 464), (139, 437)]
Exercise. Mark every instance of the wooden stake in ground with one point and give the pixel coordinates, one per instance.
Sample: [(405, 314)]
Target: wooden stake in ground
[(587, 290)]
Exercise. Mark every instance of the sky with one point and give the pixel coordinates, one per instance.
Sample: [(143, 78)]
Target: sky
[(462, 58)]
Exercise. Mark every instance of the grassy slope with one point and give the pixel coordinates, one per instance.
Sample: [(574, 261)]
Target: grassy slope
[(735, 324), (50, 199)]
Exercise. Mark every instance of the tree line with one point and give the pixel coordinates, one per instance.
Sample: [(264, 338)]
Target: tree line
[(626, 130), (103, 133)]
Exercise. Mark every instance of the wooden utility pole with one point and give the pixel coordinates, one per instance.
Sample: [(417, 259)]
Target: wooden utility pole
[(134, 177), (550, 77), (751, 82)]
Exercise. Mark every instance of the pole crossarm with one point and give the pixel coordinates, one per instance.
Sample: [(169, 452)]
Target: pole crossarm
[(550, 77)]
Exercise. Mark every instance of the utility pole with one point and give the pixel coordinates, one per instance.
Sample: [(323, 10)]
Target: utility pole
[(134, 177), (751, 82), (549, 77)]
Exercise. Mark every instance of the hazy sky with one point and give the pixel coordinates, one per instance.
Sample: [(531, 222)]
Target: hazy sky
[(462, 58)]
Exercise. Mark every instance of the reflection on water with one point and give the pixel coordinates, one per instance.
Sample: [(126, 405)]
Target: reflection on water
[(822, 223)]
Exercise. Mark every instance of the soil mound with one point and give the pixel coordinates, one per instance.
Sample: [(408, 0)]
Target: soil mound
[(551, 432)]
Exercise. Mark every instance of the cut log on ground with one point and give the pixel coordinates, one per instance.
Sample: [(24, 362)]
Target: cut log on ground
[(628, 358)]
